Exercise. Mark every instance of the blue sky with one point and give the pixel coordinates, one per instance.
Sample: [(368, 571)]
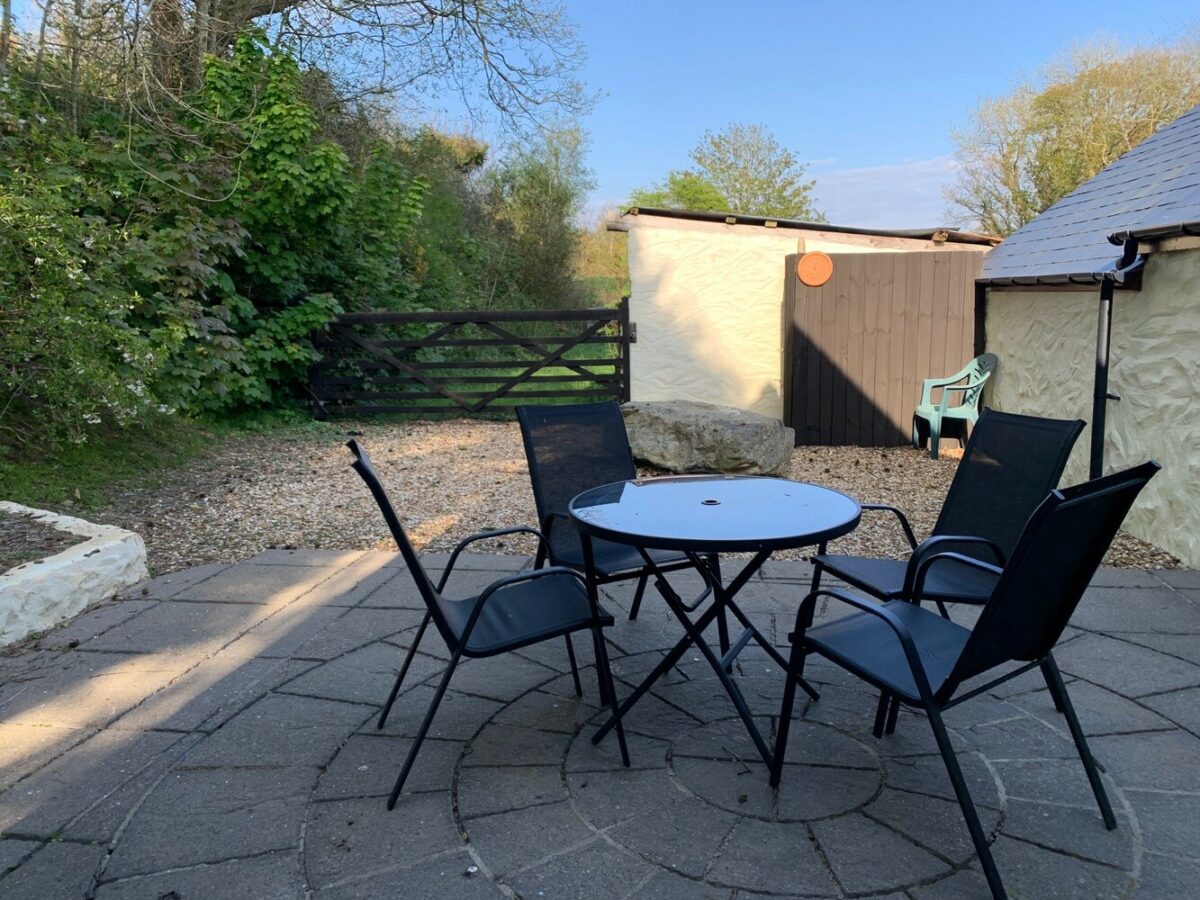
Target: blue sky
[(867, 92)]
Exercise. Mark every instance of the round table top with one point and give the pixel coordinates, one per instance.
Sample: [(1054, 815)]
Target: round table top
[(717, 513)]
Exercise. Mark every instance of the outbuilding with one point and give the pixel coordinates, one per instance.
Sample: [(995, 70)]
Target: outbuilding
[(1094, 311), (713, 295)]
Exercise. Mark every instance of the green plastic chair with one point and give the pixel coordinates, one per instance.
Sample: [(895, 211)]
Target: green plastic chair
[(941, 416)]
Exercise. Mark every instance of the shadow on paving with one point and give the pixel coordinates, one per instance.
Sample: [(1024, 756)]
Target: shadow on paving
[(212, 735)]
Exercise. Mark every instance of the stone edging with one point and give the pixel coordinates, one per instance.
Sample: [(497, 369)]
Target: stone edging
[(35, 596)]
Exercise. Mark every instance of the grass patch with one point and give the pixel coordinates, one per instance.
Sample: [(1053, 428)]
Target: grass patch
[(80, 476)]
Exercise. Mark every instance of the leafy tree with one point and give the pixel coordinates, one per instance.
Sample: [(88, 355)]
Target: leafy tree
[(742, 169), (683, 190), (538, 193), (1027, 150), (755, 173)]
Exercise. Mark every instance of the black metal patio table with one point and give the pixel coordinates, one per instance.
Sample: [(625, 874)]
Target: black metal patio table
[(705, 515)]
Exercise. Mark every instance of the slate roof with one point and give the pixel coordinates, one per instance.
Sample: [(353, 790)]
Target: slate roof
[(1155, 187)]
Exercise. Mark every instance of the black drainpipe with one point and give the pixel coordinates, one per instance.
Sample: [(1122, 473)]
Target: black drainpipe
[(1129, 264)]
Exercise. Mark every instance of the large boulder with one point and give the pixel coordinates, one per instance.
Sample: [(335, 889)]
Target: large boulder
[(682, 436)]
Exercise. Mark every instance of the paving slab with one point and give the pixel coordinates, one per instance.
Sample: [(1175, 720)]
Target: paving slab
[(14, 851), (199, 816), (1178, 707), (189, 631), (94, 622), (267, 585), (351, 838), (25, 749), (273, 876), (449, 874), (59, 869), (213, 692), (367, 765), (597, 869), (164, 587), (90, 690), (43, 804), (1126, 668), (281, 730)]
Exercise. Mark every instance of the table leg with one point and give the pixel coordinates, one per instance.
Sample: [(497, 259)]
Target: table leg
[(661, 669), (714, 562), (694, 634)]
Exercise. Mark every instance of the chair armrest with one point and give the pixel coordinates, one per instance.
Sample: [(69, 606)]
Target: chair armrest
[(924, 565), (908, 532), (928, 384), (948, 390), (481, 536), (509, 581), (903, 635)]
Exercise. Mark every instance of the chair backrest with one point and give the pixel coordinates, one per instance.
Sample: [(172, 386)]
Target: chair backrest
[(363, 466), (571, 448), (1009, 466), (1051, 567), (979, 370)]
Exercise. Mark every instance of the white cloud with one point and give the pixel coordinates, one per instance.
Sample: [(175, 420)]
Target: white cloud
[(907, 195)]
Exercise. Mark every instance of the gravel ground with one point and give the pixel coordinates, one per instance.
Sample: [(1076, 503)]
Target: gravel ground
[(448, 479)]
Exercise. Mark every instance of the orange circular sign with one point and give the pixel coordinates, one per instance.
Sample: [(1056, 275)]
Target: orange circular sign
[(814, 269)]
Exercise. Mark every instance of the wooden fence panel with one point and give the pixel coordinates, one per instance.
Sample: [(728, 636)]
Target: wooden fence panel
[(472, 361), (857, 348)]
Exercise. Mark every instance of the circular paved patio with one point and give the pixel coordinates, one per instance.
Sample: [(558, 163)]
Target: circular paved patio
[(547, 813)]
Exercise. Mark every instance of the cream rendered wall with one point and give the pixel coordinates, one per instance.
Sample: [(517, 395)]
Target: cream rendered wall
[(1046, 344), (708, 301)]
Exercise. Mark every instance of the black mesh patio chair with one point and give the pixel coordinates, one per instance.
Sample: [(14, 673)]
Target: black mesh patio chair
[(922, 659), (513, 612), (1009, 466), (571, 448)]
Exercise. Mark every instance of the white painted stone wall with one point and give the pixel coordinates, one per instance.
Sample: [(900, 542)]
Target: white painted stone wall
[(1046, 343), (38, 595), (707, 299)]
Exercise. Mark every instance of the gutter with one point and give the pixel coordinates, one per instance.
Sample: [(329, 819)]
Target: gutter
[(1156, 232)]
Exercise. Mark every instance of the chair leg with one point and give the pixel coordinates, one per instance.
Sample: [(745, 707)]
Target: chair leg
[(608, 689), (574, 667), (916, 433), (881, 710), (817, 568), (794, 673), (935, 436), (893, 712), (978, 838), (412, 650), (1062, 699), (424, 729), (637, 597)]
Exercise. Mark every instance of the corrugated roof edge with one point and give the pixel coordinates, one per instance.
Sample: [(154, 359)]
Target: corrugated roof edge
[(952, 235)]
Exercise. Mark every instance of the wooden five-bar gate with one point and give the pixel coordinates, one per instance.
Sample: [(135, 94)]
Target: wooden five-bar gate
[(469, 360)]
